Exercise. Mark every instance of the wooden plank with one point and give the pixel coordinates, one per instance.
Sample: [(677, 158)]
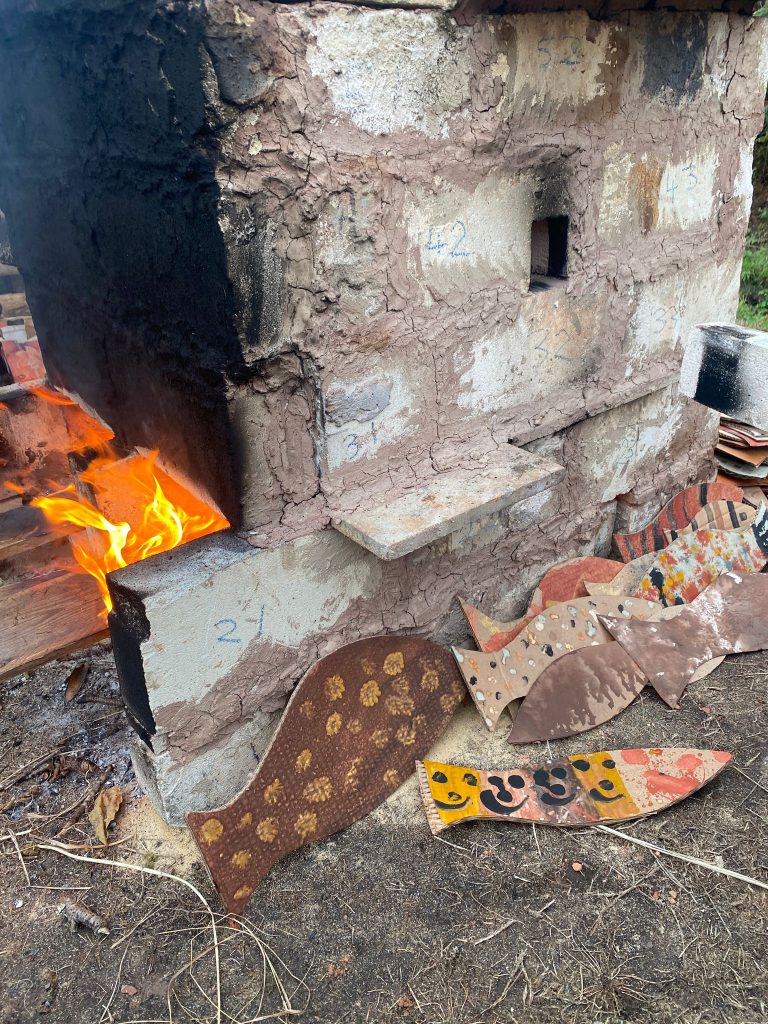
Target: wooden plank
[(24, 528), (47, 618)]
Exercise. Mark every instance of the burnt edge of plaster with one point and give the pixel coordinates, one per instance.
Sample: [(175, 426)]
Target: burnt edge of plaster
[(139, 203), (129, 627)]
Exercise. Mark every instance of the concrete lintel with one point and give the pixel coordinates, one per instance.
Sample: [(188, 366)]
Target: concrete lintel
[(448, 502)]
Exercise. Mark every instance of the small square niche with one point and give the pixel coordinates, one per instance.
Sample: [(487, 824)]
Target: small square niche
[(549, 252)]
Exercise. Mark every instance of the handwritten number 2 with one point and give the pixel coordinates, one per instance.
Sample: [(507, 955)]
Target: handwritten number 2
[(225, 636), (455, 250)]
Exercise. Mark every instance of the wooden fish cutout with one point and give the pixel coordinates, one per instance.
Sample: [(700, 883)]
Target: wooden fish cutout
[(626, 582), (578, 693), (562, 582), (676, 514), (729, 617), (583, 690), (583, 789), (718, 515), (694, 560), (497, 678), (347, 740)]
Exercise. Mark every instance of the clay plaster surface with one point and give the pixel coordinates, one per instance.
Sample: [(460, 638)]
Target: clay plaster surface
[(400, 160), (265, 599)]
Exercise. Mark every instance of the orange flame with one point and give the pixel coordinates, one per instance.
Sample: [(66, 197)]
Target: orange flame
[(163, 515)]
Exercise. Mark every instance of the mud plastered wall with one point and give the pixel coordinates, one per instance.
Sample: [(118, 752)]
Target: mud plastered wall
[(349, 196), (380, 174), (389, 166)]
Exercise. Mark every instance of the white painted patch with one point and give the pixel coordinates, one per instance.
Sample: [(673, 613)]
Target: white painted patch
[(391, 70), (686, 192), (547, 349), (280, 596), (401, 418), (668, 309), (616, 210), (742, 185), (466, 240), (557, 64)]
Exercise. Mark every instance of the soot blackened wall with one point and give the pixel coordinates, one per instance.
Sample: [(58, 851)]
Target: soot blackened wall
[(107, 177)]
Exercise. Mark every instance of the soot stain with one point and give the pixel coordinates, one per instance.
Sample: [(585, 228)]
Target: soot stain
[(673, 57)]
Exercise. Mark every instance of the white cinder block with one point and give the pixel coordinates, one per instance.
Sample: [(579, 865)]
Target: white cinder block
[(725, 367)]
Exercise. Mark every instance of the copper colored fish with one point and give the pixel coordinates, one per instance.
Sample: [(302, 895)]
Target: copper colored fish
[(718, 515), (577, 693), (694, 560), (347, 740), (498, 678), (562, 582), (583, 690), (676, 514), (583, 789), (729, 617)]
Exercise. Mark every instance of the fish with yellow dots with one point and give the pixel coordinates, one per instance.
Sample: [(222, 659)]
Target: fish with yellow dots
[(347, 740)]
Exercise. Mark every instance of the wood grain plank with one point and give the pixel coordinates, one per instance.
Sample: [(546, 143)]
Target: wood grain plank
[(47, 618)]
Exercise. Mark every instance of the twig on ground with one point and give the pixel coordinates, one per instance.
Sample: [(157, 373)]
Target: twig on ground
[(58, 848), (15, 842), (495, 932), (682, 856)]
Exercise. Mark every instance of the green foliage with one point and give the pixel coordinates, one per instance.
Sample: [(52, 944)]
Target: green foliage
[(753, 296)]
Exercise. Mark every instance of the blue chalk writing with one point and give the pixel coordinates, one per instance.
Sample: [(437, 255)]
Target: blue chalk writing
[(453, 244), (225, 637)]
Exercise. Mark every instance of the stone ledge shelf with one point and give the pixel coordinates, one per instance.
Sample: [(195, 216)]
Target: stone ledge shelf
[(448, 502)]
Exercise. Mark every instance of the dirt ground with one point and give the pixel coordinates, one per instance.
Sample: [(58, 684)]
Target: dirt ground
[(384, 922)]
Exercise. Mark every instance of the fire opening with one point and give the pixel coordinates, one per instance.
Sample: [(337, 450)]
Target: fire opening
[(128, 507)]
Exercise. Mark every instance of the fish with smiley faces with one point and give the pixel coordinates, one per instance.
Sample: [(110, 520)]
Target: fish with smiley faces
[(582, 789), (496, 679)]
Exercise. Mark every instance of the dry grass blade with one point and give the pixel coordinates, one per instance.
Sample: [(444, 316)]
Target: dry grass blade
[(139, 869), (683, 856)]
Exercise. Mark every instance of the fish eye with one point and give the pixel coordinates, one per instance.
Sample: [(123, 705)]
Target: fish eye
[(439, 777), (471, 780), (516, 781)]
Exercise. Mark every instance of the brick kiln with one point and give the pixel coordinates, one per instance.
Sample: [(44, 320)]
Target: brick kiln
[(404, 291)]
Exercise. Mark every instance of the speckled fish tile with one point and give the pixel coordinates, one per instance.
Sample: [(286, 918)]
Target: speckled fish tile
[(496, 679), (347, 740), (562, 582)]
